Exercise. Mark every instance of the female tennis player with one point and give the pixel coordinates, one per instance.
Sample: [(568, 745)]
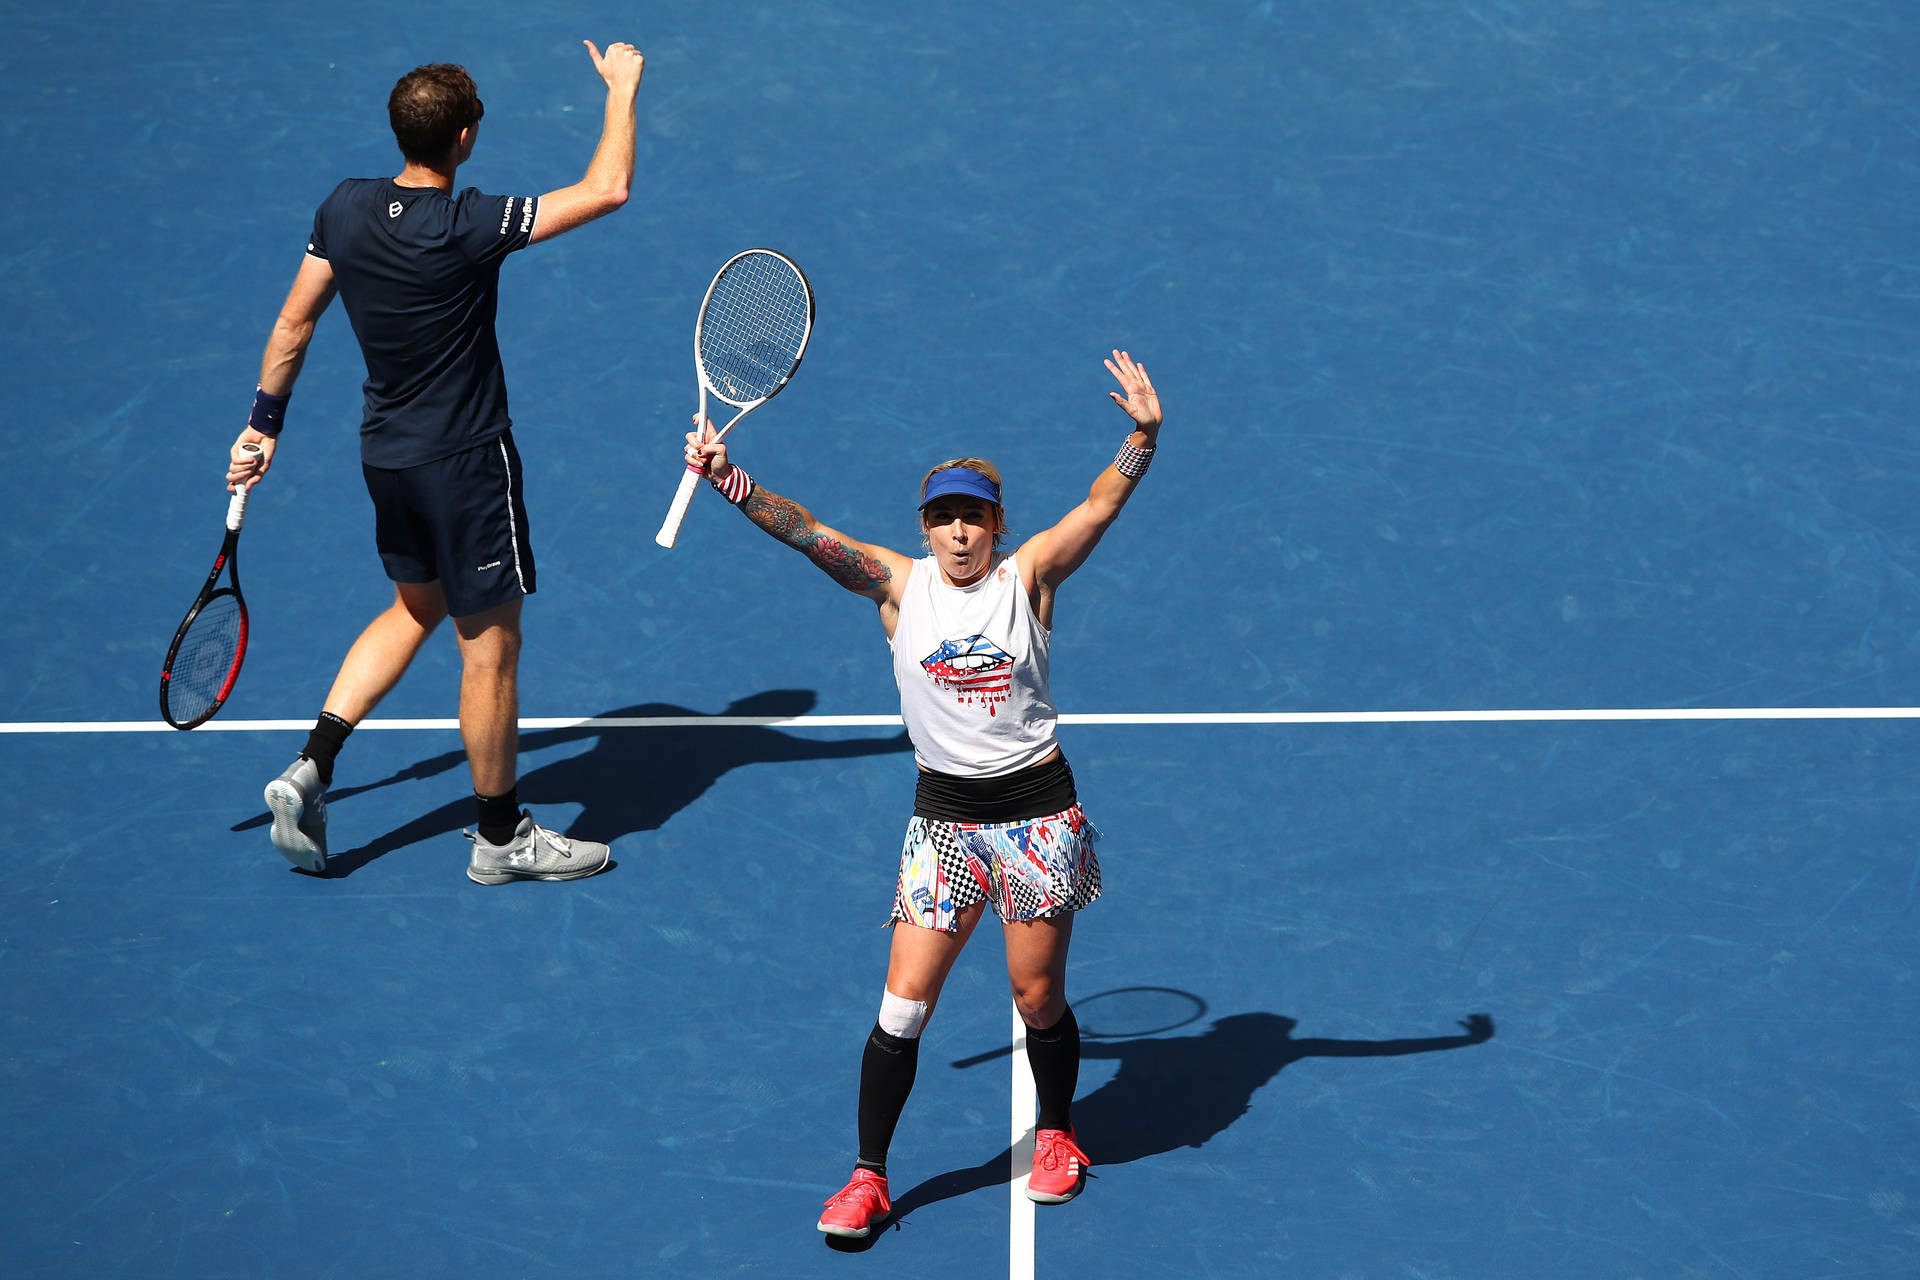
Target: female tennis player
[(995, 818)]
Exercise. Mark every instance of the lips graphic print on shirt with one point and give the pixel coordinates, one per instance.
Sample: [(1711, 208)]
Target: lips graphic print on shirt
[(971, 665), (976, 669)]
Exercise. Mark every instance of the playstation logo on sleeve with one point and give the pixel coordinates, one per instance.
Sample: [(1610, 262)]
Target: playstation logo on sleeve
[(393, 210)]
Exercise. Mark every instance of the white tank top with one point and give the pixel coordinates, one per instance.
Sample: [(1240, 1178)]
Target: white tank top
[(972, 665)]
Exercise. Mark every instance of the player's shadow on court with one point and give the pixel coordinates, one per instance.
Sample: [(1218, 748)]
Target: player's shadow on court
[(633, 779), (1174, 1091)]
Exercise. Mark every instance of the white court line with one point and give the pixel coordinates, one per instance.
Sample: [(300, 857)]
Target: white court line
[(1019, 1208), (1523, 715)]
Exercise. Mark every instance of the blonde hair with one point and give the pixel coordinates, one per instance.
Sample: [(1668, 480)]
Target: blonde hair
[(986, 469)]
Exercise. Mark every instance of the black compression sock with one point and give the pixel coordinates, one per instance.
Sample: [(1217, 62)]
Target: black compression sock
[(1054, 1055), (323, 744), (887, 1069), (499, 815)]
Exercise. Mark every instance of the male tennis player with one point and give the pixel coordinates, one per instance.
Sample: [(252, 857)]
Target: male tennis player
[(418, 269), (995, 815)]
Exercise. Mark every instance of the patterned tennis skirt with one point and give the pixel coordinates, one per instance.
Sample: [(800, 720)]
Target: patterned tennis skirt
[(1029, 870)]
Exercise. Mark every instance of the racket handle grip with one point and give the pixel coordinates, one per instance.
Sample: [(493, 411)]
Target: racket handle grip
[(237, 505), (677, 513)]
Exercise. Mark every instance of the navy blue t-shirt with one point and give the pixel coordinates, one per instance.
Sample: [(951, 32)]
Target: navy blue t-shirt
[(419, 274)]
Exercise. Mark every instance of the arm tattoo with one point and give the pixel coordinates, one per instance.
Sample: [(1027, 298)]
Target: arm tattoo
[(789, 522)]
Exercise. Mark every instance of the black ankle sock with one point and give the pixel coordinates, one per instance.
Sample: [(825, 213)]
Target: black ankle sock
[(1054, 1055), (887, 1069), (499, 815), (323, 744)]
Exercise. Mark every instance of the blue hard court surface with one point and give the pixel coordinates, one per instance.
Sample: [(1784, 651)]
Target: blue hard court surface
[(1516, 356)]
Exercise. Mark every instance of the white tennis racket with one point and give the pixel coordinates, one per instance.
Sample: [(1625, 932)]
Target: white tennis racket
[(752, 330)]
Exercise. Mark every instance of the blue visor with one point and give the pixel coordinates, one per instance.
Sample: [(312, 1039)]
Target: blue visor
[(960, 480)]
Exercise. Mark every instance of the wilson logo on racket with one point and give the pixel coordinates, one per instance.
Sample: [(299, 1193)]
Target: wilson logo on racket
[(976, 669)]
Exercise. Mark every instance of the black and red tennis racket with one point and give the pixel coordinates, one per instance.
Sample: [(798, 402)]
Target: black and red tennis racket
[(204, 660), (752, 331)]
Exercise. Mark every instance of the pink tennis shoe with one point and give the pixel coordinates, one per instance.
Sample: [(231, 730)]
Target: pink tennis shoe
[(856, 1207), (1059, 1167)]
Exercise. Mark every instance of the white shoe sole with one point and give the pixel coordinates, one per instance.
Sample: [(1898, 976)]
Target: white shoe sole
[(287, 806), (501, 877), (1047, 1197)]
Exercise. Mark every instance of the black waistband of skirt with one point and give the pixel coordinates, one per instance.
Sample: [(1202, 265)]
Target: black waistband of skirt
[(1034, 792)]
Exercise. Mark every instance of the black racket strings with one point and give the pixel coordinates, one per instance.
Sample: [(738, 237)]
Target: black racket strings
[(205, 660)]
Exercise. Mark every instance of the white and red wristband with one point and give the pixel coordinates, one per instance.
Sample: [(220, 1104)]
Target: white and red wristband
[(735, 488)]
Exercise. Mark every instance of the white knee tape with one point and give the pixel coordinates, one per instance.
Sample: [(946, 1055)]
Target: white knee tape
[(902, 1017)]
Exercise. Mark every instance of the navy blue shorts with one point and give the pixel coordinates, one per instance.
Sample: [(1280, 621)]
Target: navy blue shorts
[(459, 521)]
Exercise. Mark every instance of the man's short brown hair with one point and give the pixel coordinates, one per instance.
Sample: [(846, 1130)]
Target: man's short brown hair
[(428, 108)]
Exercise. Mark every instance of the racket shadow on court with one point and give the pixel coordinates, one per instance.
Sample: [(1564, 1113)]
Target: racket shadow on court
[(632, 779), (1174, 1091)]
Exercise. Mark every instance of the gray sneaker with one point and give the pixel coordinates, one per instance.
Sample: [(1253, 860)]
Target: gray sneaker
[(534, 853), (299, 805)]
